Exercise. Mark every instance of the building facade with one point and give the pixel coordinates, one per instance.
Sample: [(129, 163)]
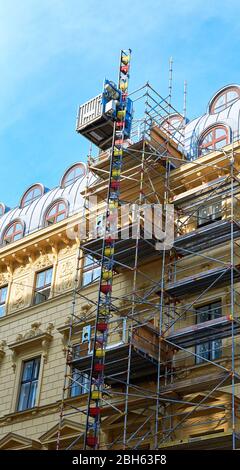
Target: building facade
[(172, 360)]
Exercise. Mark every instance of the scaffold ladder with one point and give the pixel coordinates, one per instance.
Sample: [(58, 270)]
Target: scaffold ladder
[(104, 304)]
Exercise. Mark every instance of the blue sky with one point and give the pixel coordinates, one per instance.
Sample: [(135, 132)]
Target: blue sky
[(54, 55)]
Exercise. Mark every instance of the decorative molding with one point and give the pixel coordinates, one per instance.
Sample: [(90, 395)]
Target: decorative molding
[(43, 261), (4, 278), (19, 295), (21, 269), (65, 277), (18, 442), (2, 349), (33, 338)]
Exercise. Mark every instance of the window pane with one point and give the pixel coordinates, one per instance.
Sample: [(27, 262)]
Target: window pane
[(17, 236), (80, 383), (215, 310), (216, 349), (23, 398), (231, 95), (2, 310), (27, 370), (3, 294), (220, 144), (36, 368), (52, 212), (40, 279), (60, 217), (220, 132), (202, 350), (32, 394), (48, 276), (87, 278)]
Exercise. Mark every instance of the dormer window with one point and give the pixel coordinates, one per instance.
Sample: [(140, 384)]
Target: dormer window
[(172, 123), (214, 139), (33, 193), (73, 174), (13, 232), (56, 213), (224, 99)]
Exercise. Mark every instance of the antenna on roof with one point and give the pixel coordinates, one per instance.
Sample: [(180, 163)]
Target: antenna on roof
[(170, 76)]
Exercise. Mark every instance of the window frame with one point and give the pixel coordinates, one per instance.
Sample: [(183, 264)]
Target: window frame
[(3, 303), (209, 220), (227, 103), (93, 268), (214, 139), (34, 198), (211, 350), (14, 223), (44, 287), (81, 387), (56, 214), (65, 182), (32, 381), (170, 128)]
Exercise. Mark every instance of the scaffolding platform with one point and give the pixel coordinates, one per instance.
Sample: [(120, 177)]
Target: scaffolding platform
[(143, 349), (116, 364), (125, 248), (132, 154), (206, 237), (212, 441), (206, 331), (198, 383), (213, 277)]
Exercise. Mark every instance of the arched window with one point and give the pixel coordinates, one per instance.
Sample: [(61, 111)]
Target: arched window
[(224, 99), (13, 232), (33, 193), (172, 123), (56, 213), (72, 174), (214, 139)]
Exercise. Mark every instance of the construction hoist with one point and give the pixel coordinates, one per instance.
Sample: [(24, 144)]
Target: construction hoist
[(120, 107)]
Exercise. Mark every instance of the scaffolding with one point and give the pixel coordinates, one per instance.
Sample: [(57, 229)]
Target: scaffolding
[(165, 342)]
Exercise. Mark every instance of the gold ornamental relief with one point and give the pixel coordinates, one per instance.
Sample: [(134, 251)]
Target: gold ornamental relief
[(4, 278), (43, 261), (65, 275), (19, 297)]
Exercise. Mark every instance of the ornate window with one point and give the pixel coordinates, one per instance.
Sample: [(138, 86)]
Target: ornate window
[(56, 213), (28, 385), (13, 232), (43, 285), (224, 99), (31, 195), (73, 174), (214, 139)]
